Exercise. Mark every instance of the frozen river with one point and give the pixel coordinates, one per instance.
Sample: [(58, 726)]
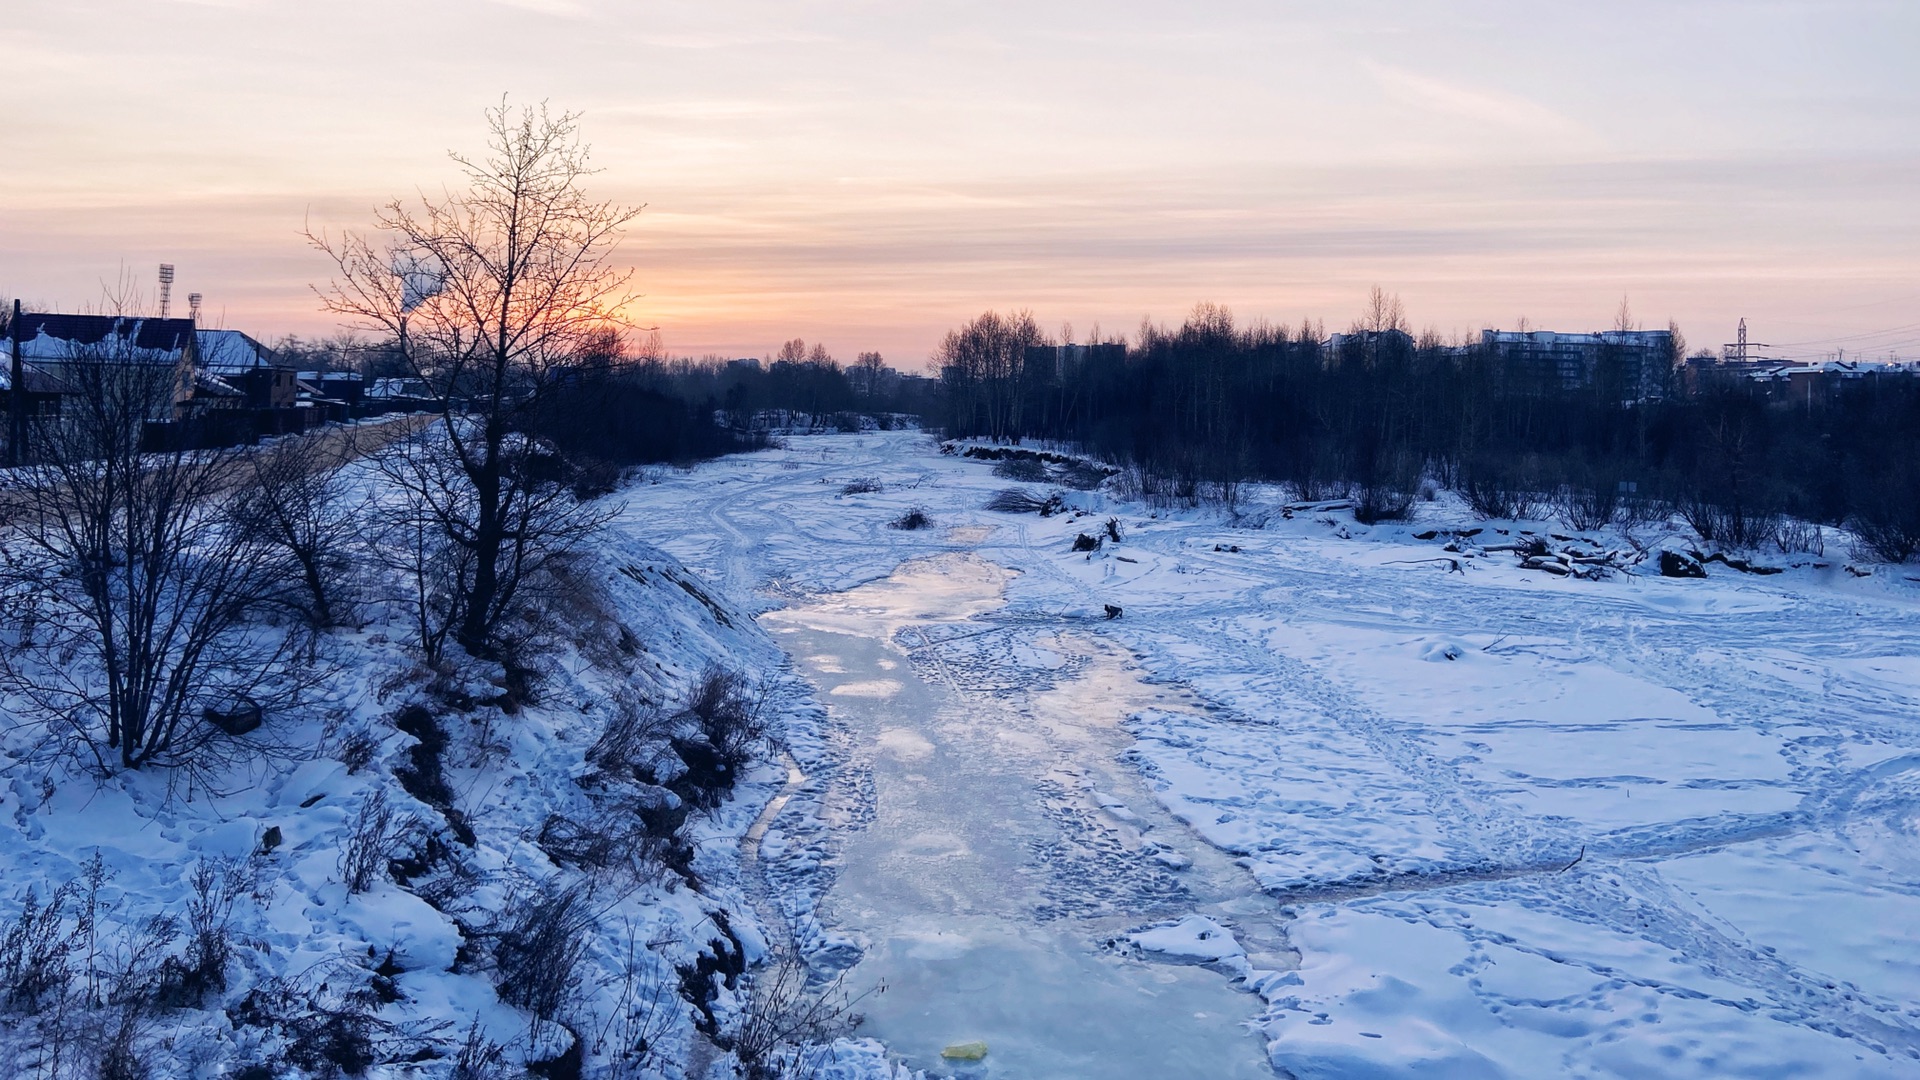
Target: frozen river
[(1008, 849), (1484, 823)]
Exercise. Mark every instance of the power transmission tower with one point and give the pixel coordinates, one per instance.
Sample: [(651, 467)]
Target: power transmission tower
[(1739, 352)]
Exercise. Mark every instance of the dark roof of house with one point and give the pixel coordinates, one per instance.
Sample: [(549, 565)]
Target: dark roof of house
[(48, 336)]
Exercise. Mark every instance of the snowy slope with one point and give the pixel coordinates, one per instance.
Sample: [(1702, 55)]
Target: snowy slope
[(636, 624)]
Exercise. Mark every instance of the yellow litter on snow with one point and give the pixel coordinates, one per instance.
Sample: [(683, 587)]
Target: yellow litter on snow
[(966, 1051)]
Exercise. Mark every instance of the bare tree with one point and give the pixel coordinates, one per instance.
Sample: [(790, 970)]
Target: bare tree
[(982, 366), (488, 290), (870, 369), (1383, 312), (1623, 317), (295, 501), (791, 352), (432, 519), (127, 591)]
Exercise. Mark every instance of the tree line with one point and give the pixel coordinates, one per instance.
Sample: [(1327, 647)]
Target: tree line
[(1196, 410)]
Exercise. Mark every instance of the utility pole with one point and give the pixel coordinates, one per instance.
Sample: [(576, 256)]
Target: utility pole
[(17, 400)]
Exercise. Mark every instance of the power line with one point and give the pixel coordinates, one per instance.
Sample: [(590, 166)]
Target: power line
[(1852, 337)]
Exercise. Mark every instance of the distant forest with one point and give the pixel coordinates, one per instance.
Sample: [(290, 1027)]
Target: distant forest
[(1195, 411), (617, 406)]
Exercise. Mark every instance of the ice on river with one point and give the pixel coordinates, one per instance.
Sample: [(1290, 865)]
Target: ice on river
[(1000, 859), (1521, 826)]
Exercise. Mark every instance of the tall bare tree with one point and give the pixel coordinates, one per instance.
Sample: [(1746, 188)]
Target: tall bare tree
[(869, 369), (1384, 312), (1623, 317), (489, 289)]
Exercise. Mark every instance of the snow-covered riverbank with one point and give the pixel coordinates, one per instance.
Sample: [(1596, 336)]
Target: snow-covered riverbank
[(474, 808), (1524, 825)]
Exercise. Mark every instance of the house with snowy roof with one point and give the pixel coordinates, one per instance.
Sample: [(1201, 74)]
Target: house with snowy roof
[(245, 365), (53, 346)]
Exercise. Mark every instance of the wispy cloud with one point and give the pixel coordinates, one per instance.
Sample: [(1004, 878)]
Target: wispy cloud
[(1509, 113)]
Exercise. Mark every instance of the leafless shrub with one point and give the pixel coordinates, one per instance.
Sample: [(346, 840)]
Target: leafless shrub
[(635, 825), (1311, 484), (1500, 490), (634, 734), (786, 1022), (620, 836), (80, 996), (1378, 503), (576, 602), (1384, 491), (1588, 506), (1796, 536), (328, 1020), (295, 501), (35, 951), (480, 1058), (1886, 510), (734, 724), (140, 971), (1884, 539), (915, 518), (1138, 484), (356, 748), (865, 485), (1733, 525), (377, 836), (629, 1031), (216, 886), (1084, 475), (538, 948), (54, 977)]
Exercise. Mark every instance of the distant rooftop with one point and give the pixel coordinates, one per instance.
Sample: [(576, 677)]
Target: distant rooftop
[(54, 337), (230, 352)]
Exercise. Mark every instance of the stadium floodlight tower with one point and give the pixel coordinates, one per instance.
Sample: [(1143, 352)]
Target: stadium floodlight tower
[(166, 288)]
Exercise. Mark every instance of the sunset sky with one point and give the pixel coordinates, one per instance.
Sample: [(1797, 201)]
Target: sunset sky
[(870, 174)]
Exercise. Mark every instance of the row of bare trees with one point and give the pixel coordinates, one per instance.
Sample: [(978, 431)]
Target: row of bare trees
[(985, 375), (1195, 409)]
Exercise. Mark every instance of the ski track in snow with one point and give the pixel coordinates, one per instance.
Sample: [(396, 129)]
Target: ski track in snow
[(1525, 826)]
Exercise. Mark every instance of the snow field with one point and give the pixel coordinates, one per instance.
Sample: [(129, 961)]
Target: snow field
[(1525, 825)]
